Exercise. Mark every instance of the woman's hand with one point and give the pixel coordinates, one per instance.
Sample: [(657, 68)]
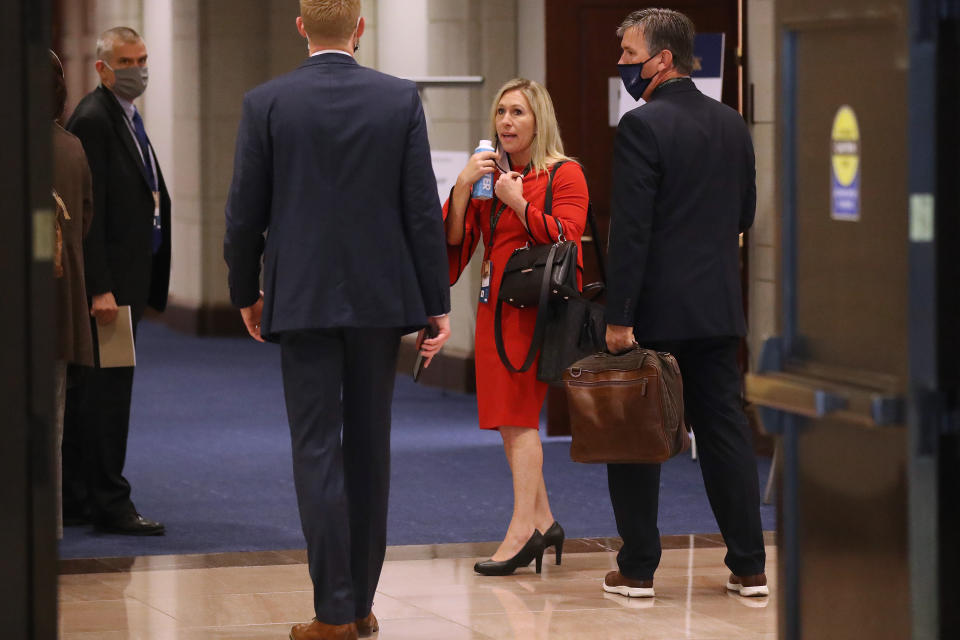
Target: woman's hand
[(479, 165), (509, 188)]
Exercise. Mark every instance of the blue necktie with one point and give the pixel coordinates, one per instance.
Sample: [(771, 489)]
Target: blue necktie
[(144, 143)]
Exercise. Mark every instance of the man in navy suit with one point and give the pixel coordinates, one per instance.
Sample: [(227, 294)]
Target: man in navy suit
[(683, 190), (333, 163)]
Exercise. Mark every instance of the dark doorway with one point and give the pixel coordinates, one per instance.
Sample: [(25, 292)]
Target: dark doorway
[(28, 603)]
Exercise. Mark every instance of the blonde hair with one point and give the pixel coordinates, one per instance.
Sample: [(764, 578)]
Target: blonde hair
[(547, 147), (328, 20)]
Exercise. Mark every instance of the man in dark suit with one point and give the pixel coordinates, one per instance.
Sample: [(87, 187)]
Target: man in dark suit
[(333, 162), (683, 191), (126, 262)]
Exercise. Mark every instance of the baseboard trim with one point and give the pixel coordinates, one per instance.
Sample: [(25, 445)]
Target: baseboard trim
[(205, 320)]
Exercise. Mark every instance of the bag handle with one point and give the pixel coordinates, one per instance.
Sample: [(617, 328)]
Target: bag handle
[(537, 340)]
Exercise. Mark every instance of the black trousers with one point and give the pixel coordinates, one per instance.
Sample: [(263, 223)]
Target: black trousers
[(95, 428), (338, 385), (713, 407)]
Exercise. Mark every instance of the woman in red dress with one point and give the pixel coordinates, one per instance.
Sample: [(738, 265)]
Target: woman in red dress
[(525, 127)]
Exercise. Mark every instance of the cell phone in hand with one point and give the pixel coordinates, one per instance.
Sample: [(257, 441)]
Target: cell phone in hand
[(431, 332)]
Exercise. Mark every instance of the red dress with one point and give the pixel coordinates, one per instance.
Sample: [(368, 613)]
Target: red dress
[(505, 398)]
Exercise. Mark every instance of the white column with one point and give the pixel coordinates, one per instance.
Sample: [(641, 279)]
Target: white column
[(762, 321), (172, 117), (402, 37)]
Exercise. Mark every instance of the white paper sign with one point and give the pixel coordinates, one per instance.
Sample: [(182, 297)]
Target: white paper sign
[(447, 165)]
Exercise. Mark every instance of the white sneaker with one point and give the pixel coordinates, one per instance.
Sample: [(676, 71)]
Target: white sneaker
[(749, 586), (615, 582)]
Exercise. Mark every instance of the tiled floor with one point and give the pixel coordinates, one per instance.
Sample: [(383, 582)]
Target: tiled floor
[(425, 593)]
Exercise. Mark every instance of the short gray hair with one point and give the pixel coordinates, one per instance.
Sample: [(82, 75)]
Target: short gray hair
[(109, 39), (664, 29)]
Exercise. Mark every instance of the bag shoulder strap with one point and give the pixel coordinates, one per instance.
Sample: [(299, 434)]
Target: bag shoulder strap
[(548, 198), (591, 220), (536, 342)]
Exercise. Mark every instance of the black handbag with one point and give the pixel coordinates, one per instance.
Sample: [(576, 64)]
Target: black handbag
[(529, 266), (568, 327), (575, 329)]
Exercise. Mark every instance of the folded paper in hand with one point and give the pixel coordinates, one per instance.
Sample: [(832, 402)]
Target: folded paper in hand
[(115, 340)]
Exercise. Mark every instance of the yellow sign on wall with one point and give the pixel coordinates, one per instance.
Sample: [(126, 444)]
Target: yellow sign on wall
[(845, 165)]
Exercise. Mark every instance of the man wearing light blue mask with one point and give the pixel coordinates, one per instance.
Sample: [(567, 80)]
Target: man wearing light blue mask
[(684, 188), (126, 263)]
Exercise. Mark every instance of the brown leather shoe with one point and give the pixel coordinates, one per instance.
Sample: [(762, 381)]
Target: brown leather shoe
[(749, 586), (368, 626), (316, 630), (616, 582)]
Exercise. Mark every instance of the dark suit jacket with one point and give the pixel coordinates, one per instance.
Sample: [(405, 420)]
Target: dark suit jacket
[(118, 251), (683, 189), (333, 159)]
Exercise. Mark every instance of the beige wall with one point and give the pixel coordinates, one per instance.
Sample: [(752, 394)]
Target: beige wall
[(763, 320)]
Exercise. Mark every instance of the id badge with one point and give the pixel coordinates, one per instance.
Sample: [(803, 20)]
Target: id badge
[(156, 209), (485, 281)]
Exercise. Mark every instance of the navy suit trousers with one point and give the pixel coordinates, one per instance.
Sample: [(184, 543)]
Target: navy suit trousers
[(713, 406), (338, 385)]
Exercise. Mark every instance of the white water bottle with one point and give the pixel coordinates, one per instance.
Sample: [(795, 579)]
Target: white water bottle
[(483, 188)]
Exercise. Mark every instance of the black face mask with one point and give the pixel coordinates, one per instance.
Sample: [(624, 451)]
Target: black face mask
[(632, 80)]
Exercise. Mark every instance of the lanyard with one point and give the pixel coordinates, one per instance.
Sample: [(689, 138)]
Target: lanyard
[(495, 212)]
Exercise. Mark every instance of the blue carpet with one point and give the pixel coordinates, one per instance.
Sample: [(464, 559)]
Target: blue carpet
[(209, 455)]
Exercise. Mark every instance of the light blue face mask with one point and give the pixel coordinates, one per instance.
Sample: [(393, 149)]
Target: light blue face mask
[(632, 79)]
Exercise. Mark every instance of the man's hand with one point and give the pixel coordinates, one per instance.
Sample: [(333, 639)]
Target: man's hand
[(620, 339), (104, 307), (251, 318), (429, 347)]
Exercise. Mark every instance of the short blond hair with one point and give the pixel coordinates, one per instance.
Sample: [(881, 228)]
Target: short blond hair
[(330, 20), (547, 147)]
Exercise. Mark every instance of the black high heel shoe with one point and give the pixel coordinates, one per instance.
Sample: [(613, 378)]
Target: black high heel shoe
[(532, 550), (554, 538)]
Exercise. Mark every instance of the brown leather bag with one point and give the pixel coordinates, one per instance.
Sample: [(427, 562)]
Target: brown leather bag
[(626, 408)]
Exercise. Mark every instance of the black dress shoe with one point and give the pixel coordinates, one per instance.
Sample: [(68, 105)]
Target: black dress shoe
[(554, 538), (532, 550), (132, 525)]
